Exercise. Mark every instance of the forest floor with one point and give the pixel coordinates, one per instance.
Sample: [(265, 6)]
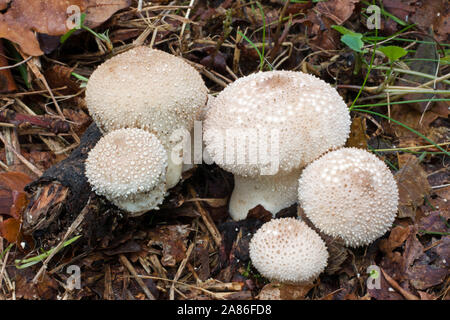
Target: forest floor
[(394, 78)]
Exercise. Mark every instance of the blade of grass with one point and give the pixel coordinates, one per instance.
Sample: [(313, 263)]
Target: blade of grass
[(368, 70), (25, 263), (6, 251), (397, 102), (406, 127)]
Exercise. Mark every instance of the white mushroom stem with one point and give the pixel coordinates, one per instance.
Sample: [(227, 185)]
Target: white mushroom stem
[(174, 171), (273, 192), (139, 203)]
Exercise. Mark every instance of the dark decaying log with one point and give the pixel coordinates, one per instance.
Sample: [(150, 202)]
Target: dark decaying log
[(61, 190)]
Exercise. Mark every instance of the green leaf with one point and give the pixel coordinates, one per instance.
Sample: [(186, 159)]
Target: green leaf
[(393, 52), (353, 41), (350, 38)]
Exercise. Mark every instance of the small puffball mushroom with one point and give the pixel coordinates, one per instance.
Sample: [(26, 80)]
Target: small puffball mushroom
[(275, 123), (287, 250), (350, 194), (148, 89), (128, 167)]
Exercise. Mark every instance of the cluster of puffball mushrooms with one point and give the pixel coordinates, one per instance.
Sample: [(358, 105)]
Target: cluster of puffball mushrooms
[(139, 98)]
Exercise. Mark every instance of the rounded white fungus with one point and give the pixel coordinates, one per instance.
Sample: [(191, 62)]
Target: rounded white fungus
[(128, 167), (148, 89), (287, 250), (272, 124), (350, 194)]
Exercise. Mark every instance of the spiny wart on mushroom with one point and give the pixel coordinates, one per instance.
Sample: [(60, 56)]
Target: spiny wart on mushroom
[(297, 116), (287, 250), (351, 194), (128, 167), (148, 89)]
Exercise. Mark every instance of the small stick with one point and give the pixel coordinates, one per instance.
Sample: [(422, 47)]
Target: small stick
[(180, 270), (71, 229), (207, 220), (141, 283), (21, 158), (396, 286), (2, 272)]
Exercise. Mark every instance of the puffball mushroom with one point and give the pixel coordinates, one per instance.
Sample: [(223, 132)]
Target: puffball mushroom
[(128, 167), (351, 194), (287, 250), (148, 89), (291, 118)]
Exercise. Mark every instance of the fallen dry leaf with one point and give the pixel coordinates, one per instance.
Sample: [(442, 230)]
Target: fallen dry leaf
[(425, 14), (337, 10), (173, 240), (424, 276), (25, 17), (284, 291), (358, 136), (10, 230), (412, 184), (433, 222), (396, 238), (12, 195)]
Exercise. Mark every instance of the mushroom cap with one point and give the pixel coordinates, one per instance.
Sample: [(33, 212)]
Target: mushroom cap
[(351, 194), (308, 115), (287, 250), (148, 89), (126, 163)]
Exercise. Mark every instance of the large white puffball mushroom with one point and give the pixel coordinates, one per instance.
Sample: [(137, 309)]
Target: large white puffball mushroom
[(349, 194), (287, 250), (264, 128), (128, 167), (148, 89)]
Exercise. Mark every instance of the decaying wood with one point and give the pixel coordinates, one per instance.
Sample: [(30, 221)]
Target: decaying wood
[(63, 187)]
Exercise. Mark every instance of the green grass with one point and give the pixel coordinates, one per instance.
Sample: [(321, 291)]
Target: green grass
[(25, 263)]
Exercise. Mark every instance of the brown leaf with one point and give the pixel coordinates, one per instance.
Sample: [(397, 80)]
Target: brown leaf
[(337, 10), (10, 230), (412, 184), (12, 197), (59, 76), (426, 276), (426, 296), (283, 291), (443, 252), (433, 222), (413, 250), (425, 14), (358, 137), (173, 240), (396, 238), (24, 17)]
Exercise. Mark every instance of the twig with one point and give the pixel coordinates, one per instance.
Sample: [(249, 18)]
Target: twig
[(207, 220), (188, 12), (17, 64), (210, 293), (141, 283), (396, 286), (21, 158), (2, 272), (180, 270), (71, 229)]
